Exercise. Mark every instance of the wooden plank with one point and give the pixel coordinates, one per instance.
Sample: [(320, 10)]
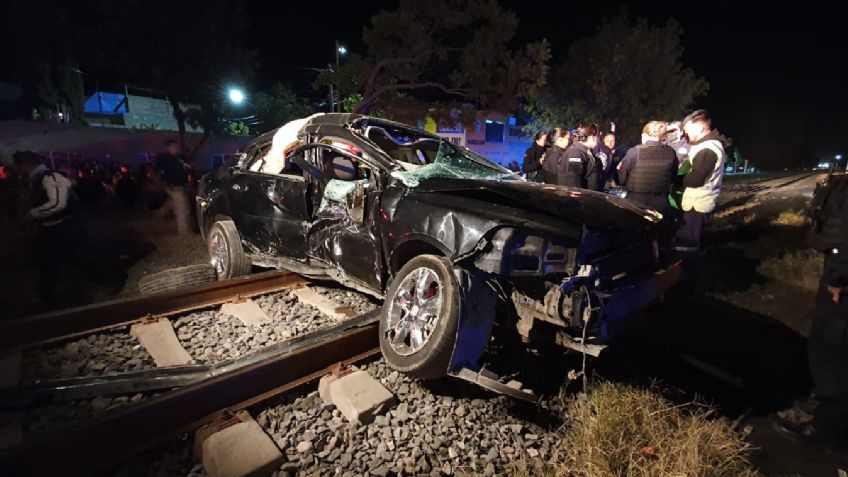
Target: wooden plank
[(309, 296), (159, 339), (247, 311)]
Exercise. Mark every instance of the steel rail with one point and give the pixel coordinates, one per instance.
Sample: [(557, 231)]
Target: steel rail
[(71, 322), (102, 443), (165, 378)]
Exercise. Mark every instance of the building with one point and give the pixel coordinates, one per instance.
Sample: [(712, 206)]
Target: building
[(124, 110), (496, 136)]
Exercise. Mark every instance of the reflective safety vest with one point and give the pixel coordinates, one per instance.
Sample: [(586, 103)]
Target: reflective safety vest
[(703, 199)]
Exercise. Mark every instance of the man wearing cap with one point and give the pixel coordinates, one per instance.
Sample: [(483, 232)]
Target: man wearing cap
[(702, 184)]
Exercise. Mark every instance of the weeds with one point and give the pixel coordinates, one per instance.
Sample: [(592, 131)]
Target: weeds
[(801, 268), (791, 218), (618, 430)]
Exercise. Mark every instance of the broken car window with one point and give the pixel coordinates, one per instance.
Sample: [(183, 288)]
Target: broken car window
[(455, 162)]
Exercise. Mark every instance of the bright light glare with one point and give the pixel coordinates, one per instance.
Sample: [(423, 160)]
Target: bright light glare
[(236, 95), (342, 50), (838, 157)]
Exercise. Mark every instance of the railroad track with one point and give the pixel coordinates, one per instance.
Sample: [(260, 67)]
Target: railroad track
[(203, 394)]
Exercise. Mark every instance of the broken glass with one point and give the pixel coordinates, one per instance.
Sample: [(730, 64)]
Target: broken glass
[(455, 163)]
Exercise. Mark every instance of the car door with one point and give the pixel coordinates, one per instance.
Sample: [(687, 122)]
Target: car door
[(271, 208), (342, 230)]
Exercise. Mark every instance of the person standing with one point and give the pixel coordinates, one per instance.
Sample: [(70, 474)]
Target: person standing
[(52, 202), (558, 140), (702, 184), (174, 171), (827, 345), (606, 164), (647, 170), (532, 165), (580, 168), (677, 140)]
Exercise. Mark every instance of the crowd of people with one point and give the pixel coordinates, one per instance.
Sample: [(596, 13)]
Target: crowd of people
[(677, 169), (58, 198)]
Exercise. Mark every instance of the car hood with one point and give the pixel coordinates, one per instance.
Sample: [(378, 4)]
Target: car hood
[(594, 209)]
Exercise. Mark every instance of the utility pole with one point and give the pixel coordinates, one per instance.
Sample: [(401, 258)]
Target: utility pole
[(337, 72)]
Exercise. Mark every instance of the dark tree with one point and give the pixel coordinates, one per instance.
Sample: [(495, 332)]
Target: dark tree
[(189, 51), (434, 56), (629, 72), (279, 106)]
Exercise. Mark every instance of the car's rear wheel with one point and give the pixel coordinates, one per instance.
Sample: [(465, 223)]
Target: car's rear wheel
[(226, 254), (420, 317)]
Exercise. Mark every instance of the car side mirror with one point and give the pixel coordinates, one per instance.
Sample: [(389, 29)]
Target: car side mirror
[(356, 203), (310, 169)]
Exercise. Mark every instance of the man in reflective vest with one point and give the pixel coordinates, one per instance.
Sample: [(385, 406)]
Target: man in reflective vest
[(702, 184)]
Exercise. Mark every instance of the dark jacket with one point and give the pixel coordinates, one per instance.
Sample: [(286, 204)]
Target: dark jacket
[(649, 168), (553, 157), (173, 169), (578, 168), (606, 164), (532, 165)]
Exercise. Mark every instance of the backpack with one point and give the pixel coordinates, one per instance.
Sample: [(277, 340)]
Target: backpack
[(827, 213)]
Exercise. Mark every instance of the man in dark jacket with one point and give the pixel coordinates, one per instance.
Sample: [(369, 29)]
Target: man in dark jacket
[(606, 163), (827, 345), (532, 166), (647, 170), (558, 140), (580, 168), (174, 171)]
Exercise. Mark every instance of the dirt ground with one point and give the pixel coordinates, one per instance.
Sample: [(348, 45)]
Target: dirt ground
[(120, 247)]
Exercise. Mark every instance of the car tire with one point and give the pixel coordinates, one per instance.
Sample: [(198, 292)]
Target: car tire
[(176, 278), (226, 254), (428, 356)]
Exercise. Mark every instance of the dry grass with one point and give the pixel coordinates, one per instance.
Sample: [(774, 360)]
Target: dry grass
[(791, 218), (619, 430), (801, 268)]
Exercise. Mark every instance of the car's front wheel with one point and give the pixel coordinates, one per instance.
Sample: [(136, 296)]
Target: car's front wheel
[(226, 254), (420, 318)]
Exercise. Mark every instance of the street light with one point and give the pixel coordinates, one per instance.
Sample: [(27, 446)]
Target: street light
[(340, 51), (838, 157), (236, 95)]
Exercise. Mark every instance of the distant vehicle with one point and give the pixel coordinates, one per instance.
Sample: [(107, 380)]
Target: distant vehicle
[(824, 166), (448, 238)]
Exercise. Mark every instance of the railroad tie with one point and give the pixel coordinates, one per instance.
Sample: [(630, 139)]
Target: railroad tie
[(236, 446), (247, 311), (158, 338), (310, 297)]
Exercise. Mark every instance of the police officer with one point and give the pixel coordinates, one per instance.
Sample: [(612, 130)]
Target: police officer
[(647, 170), (52, 200), (827, 346), (532, 166), (580, 168), (558, 140), (606, 163)]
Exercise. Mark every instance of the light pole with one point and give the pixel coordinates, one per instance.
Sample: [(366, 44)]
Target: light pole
[(340, 51)]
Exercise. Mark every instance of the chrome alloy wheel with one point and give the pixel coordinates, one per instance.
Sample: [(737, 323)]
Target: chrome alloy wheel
[(414, 311), (218, 253)]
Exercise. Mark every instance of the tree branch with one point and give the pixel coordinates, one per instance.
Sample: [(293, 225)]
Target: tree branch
[(366, 103)]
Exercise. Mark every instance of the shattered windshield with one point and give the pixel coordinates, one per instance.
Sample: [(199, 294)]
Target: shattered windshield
[(455, 163)]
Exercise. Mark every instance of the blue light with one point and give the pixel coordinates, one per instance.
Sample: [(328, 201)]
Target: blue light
[(512, 121)]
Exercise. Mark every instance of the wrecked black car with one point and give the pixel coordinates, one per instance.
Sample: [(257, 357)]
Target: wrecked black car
[(447, 238)]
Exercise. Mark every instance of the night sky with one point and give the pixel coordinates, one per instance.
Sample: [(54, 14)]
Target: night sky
[(775, 72)]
